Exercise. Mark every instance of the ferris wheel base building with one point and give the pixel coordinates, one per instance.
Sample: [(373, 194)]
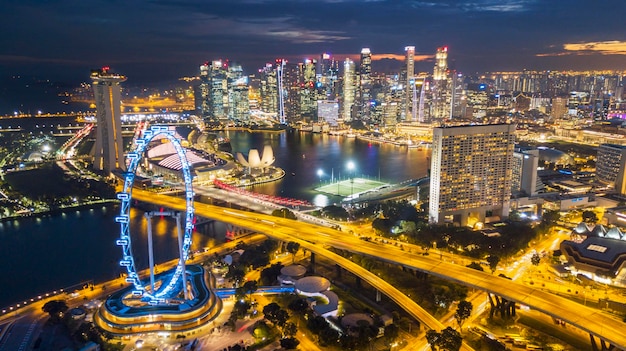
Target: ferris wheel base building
[(126, 314)]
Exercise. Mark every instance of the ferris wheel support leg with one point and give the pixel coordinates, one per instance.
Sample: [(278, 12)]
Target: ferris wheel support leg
[(150, 252), (182, 260)]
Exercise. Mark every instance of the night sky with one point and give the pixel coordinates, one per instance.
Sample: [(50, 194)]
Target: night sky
[(152, 41)]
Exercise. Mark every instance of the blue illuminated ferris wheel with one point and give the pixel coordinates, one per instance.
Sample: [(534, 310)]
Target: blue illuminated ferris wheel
[(171, 284)]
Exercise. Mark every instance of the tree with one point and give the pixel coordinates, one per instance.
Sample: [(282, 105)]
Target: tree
[(55, 309), (493, 262), (463, 311), (270, 274), (299, 306), (335, 212), (289, 343), (290, 329), (450, 340), (293, 247), (535, 259), (235, 273), (589, 217), (550, 217), (329, 336), (432, 336), (250, 287), (275, 314), (391, 333)]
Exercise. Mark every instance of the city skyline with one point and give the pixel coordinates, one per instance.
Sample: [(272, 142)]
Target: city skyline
[(173, 37)]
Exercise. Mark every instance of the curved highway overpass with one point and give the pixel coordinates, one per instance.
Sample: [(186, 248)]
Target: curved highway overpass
[(315, 238)]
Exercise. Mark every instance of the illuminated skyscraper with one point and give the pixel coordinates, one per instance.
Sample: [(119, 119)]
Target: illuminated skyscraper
[(327, 75), (202, 92), (440, 102), (365, 84), (269, 89), (238, 104), (109, 151), (441, 64), (471, 171), (611, 166), (409, 83), (349, 89), (218, 93)]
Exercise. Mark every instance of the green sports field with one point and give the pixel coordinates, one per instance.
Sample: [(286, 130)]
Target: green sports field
[(350, 186)]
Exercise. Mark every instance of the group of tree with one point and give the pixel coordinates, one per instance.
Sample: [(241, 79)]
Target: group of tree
[(78, 330), (448, 340), (253, 257), (280, 319), (334, 212)]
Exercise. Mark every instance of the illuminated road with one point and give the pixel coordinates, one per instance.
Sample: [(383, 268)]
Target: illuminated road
[(314, 238), (288, 230)]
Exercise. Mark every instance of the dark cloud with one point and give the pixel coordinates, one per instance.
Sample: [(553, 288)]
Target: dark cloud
[(164, 39)]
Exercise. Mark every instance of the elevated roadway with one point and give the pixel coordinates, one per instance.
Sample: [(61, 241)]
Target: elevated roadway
[(315, 238)]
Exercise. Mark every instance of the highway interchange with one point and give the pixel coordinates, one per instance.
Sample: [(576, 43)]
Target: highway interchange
[(316, 238)]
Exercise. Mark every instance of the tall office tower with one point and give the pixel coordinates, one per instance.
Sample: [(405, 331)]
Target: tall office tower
[(238, 104), (292, 81), (349, 90), (409, 83), (365, 84), (202, 93), (471, 171), (218, 96), (440, 71), (328, 112), (109, 151), (327, 75), (559, 107), (307, 89), (610, 165), (440, 100), (268, 88), (524, 179), (457, 90)]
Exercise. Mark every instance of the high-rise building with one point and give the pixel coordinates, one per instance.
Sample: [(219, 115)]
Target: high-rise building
[(269, 89), (349, 90), (327, 75), (238, 107), (610, 166), (328, 112), (109, 151), (365, 84), (409, 83), (202, 93), (440, 100), (218, 90), (440, 71), (524, 179), (471, 170)]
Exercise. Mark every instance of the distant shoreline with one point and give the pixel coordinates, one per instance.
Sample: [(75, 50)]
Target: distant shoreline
[(91, 204)]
